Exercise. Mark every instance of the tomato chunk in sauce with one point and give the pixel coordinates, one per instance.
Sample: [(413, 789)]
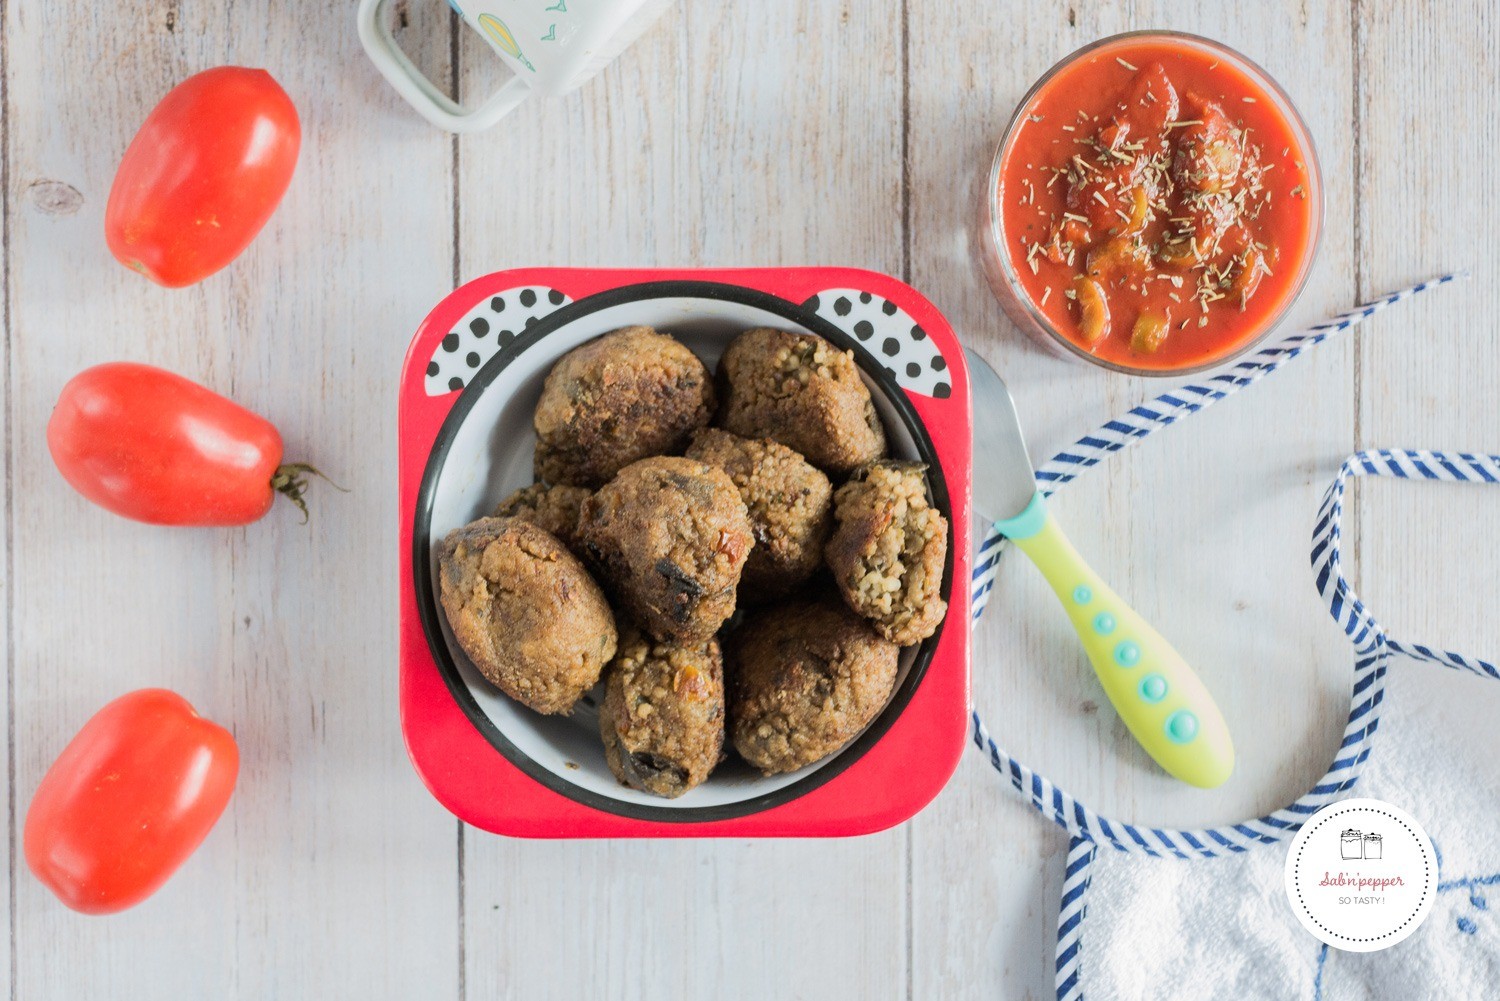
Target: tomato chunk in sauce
[(1155, 205)]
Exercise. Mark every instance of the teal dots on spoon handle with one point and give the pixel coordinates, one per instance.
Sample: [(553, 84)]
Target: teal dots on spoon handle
[(1182, 726), (1157, 694), (1153, 688)]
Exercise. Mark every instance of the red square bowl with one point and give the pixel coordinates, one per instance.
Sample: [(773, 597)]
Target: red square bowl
[(471, 382)]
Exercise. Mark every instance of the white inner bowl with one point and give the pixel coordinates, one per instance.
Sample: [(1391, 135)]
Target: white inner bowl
[(490, 456)]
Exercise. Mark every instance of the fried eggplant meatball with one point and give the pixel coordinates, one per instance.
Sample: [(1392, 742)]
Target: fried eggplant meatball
[(804, 680), (663, 715), (803, 392), (630, 394), (553, 509), (669, 537), (790, 504), (526, 612), (888, 550)]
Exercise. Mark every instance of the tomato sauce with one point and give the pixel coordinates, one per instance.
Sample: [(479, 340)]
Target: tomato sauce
[(1157, 205)]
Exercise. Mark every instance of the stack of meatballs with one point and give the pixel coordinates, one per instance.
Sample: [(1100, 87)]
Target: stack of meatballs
[(649, 529)]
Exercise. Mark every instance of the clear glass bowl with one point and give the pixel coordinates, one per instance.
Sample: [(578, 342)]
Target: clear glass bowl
[(1001, 272)]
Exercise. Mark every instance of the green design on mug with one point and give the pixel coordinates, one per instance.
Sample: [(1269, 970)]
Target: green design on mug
[(496, 29)]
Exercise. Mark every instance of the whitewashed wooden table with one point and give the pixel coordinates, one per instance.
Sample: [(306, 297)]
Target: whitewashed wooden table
[(754, 132)]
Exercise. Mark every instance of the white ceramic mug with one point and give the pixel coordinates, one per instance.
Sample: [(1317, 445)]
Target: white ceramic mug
[(552, 46)]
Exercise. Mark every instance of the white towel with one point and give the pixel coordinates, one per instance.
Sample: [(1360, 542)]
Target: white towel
[(1222, 928)]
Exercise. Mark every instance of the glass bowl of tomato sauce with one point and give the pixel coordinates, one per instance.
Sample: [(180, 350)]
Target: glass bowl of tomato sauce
[(1154, 207)]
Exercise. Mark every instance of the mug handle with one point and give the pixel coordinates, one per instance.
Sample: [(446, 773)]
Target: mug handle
[(420, 92)]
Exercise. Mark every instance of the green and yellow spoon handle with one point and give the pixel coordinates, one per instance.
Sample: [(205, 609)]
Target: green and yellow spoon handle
[(1160, 698)]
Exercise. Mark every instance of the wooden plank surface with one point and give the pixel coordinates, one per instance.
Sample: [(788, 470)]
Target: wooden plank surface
[(732, 134), (1430, 381), (7, 571), (332, 874)]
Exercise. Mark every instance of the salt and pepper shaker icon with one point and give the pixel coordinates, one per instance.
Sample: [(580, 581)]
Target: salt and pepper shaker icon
[(1373, 846), (1351, 844)]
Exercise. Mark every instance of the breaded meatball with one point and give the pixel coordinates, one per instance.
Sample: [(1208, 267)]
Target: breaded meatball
[(553, 509), (803, 392), (804, 680), (888, 550), (663, 715), (630, 394), (525, 611), (790, 504), (669, 537)]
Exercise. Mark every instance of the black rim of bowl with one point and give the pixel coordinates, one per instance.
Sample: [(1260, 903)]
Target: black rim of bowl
[(427, 604)]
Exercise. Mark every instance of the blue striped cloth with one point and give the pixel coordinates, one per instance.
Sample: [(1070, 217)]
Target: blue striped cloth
[(1090, 831)]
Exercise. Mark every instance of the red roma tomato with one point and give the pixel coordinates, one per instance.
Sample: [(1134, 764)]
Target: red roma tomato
[(203, 175), (155, 447), (128, 800)]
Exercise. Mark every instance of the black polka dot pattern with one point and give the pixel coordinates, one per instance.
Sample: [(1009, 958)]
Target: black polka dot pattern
[(490, 327), (889, 333)]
